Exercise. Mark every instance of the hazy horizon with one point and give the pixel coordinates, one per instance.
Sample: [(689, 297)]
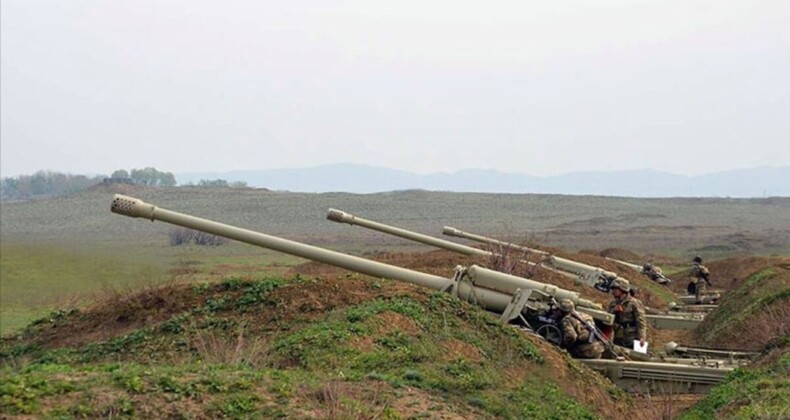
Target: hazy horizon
[(449, 172), (686, 88)]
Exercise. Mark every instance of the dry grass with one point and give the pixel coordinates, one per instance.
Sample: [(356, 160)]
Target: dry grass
[(663, 406), (770, 324), (214, 347), (337, 399)]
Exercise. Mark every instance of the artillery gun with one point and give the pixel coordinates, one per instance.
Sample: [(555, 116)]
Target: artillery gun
[(707, 300), (514, 298), (601, 278), (340, 216), (658, 275), (593, 276), (676, 318)]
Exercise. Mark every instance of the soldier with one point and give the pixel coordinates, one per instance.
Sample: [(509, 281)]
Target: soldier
[(700, 279), (630, 323), (654, 273), (577, 337)]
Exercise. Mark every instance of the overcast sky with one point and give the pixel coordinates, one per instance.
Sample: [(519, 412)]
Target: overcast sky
[(542, 88)]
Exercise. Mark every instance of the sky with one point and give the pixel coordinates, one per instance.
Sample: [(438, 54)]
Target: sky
[(542, 88)]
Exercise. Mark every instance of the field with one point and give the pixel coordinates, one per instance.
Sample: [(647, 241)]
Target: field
[(103, 317), (64, 250), (61, 250)]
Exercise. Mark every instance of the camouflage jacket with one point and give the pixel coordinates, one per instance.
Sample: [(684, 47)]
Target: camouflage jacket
[(699, 271), (573, 331), (629, 317)]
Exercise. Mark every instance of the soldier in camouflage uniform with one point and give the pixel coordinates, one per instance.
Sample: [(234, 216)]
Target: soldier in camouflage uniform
[(699, 279), (630, 322), (576, 337), (654, 273)]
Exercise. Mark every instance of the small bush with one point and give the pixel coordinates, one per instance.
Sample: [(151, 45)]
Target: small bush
[(184, 236)]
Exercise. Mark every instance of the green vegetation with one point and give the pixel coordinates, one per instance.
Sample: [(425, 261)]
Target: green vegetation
[(259, 348), (753, 314), (761, 393), (45, 183), (151, 177), (38, 278), (51, 184)]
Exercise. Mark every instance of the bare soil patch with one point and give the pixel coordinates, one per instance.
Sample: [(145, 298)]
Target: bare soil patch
[(729, 273), (455, 349), (389, 322)]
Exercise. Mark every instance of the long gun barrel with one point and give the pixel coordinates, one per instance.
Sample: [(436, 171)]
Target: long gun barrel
[(473, 284), (594, 276), (658, 276), (632, 266), (350, 219), (451, 231)]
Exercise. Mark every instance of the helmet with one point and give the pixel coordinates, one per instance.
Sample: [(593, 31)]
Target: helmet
[(621, 284), (565, 305), (647, 267), (698, 259)]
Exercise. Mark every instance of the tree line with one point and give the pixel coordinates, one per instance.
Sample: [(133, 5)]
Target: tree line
[(45, 183), (51, 183), (146, 176)]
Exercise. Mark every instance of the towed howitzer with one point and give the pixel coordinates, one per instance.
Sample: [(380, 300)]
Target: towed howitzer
[(467, 284), (494, 291), (690, 299), (340, 216), (599, 278), (660, 278)]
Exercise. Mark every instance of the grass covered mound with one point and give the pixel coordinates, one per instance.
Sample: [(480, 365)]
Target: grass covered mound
[(761, 391), (340, 348), (753, 315)]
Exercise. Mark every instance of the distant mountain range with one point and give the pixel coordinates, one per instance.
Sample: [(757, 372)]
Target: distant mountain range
[(753, 182)]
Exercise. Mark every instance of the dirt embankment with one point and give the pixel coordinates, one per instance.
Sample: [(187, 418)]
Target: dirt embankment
[(333, 312), (730, 273), (754, 314)]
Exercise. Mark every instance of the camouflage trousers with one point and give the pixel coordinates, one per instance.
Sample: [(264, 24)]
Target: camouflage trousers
[(700, 290), (592, 350), (625, 337)]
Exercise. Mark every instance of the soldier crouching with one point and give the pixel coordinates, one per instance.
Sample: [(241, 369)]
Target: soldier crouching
[(630, 322), (577, 337)]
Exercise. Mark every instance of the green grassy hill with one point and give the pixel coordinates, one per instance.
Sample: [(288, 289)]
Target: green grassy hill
[(754, 315), (337, 348), (761, 391), (756, 311)]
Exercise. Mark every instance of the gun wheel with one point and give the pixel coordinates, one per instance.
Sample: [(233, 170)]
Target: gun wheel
[(551, 333)]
